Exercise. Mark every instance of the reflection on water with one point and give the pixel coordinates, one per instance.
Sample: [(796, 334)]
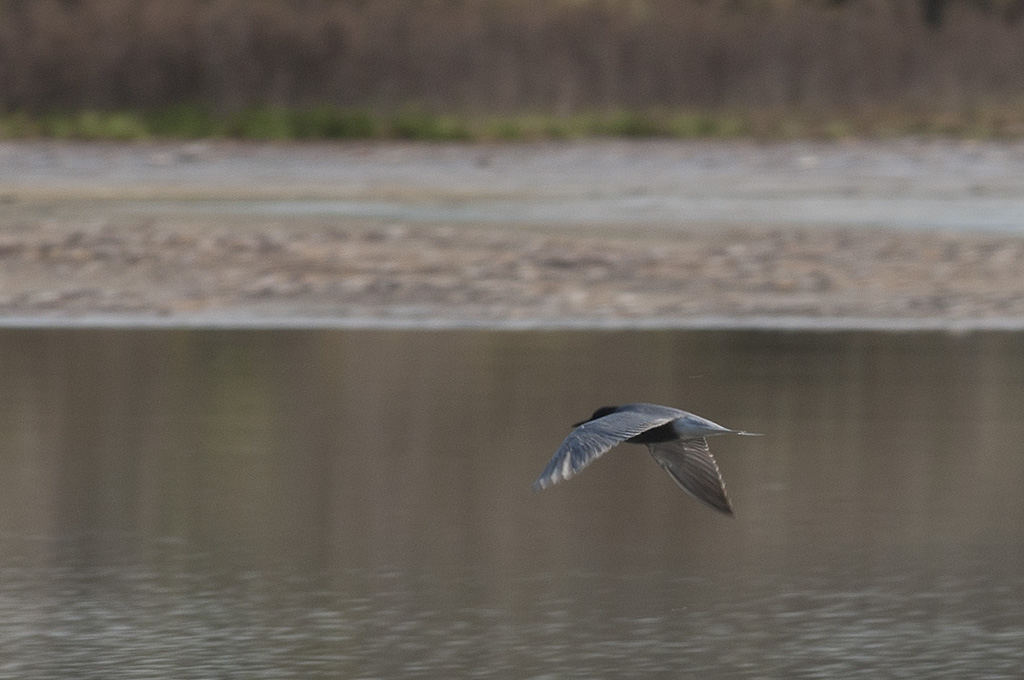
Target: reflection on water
[(304, 504)]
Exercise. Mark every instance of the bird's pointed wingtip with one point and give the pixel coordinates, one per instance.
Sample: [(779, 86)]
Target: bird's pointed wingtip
[(722, 505)]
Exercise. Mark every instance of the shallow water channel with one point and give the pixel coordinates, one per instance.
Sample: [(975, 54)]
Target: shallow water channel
[(903, 184), (356, 504)]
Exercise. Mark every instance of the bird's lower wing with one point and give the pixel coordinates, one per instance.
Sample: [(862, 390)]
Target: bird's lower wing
[(593, 438), (689, 462)]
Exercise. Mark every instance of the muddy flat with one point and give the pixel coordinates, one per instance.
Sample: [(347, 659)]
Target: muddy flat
[(572, 233)]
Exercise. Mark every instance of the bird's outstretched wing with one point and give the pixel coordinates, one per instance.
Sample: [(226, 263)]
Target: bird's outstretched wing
[(689, 462), (592, 438)]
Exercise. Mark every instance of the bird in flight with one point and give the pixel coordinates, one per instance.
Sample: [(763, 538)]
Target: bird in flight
[(675, 438)]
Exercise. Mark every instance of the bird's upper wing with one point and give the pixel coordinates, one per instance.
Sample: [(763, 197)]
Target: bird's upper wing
[(689, 462), (591, 439)]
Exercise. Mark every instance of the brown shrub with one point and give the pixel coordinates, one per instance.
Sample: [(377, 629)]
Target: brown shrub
[(807, 56)]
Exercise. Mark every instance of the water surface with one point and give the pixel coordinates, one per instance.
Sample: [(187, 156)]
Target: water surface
[(895, 184), (342, 504)]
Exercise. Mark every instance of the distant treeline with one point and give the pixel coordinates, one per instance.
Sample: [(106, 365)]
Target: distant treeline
[(857, 60)]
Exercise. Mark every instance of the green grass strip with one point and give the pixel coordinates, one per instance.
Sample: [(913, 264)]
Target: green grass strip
[(269, 123)]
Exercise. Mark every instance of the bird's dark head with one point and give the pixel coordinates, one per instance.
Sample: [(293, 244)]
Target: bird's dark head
[(599, 413)]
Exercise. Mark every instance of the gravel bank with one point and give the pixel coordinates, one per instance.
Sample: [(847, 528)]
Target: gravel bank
[(164, 268)]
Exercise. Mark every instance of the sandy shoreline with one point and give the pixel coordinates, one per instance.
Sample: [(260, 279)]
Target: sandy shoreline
[(69, 257)]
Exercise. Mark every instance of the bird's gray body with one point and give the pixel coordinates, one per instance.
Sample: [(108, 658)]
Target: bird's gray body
[(674, 438)]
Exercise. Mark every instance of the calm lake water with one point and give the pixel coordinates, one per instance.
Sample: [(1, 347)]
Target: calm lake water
[(356, 504)]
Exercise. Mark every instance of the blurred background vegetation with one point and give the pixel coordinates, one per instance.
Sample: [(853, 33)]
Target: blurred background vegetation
[(510, 69)]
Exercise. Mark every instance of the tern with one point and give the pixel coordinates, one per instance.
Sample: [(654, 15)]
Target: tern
[(675, 438)]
